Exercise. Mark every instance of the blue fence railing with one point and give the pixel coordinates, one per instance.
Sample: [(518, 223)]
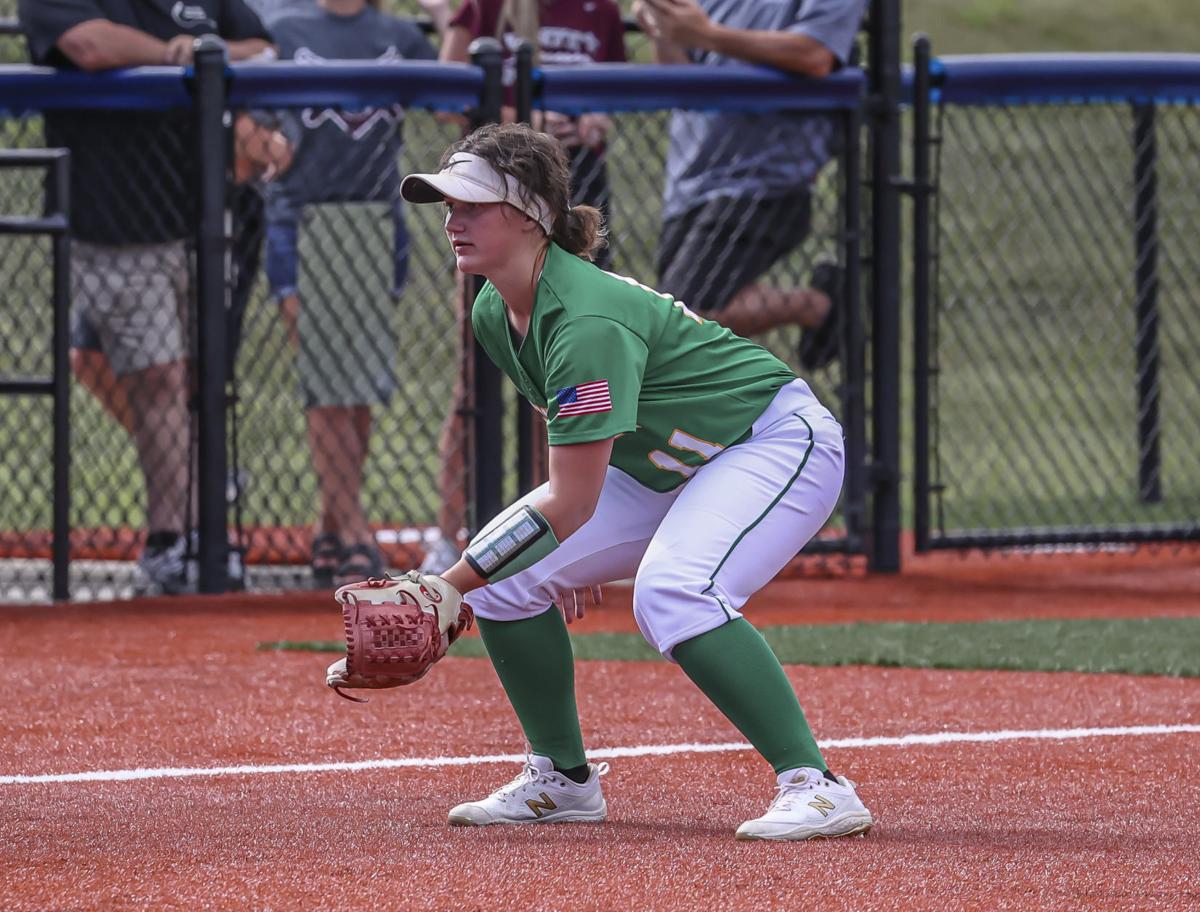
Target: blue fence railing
[(1014, 79)]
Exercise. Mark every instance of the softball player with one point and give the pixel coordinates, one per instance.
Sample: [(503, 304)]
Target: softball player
[(680, 454)]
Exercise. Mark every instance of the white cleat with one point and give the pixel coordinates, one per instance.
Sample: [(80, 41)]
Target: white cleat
[(809, 806), (538, 795)]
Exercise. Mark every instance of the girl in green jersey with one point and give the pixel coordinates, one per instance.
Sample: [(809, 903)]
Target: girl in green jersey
[(681, 455)]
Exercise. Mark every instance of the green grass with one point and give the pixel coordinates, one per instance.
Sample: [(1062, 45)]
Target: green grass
[(1149, 646), (1006, 26)]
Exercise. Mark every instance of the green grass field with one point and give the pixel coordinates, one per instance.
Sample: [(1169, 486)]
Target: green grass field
[(1036, 405)]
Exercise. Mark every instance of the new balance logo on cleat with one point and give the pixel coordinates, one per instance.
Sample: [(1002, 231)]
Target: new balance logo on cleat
[(822, 804), (800, 812), (545, 804), (538, 795)]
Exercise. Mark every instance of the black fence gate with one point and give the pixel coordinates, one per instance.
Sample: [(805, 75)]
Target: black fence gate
[(1057, 391)]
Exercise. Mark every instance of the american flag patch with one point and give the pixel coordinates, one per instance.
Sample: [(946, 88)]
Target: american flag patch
[(584, 399)]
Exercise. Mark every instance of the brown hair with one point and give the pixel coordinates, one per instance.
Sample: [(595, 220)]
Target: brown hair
[(523, 19), (540, 166)]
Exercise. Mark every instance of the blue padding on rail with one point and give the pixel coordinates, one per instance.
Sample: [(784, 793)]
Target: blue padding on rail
[(1016, 79), (634, 87), (354, 84), (27, 89)]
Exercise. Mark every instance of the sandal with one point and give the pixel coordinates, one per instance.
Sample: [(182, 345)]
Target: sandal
[(326, 558), (359, 562)]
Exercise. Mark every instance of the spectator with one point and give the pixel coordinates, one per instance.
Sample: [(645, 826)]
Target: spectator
[(344, 333), (563, 33), (739, 186), (259, 155), (131, 216)]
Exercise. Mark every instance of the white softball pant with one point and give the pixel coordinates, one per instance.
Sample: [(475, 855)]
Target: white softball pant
[(699, 552)]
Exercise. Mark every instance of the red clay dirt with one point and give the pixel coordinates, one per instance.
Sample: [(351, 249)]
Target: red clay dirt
[(1092, 823)]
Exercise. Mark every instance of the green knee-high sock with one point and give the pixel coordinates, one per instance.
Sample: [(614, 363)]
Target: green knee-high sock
[(736, 669), (536, 667)]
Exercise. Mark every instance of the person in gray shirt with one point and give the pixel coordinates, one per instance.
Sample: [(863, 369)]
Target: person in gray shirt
[(739, 185), (270, 10), (337, 258)]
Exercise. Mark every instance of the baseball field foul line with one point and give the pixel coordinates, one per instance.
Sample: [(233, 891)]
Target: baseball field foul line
[(648, 750)]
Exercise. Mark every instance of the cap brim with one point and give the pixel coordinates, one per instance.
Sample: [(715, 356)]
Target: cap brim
[(434, 188)]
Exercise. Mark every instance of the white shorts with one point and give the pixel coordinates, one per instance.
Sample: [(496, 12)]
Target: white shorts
[(699, 552)]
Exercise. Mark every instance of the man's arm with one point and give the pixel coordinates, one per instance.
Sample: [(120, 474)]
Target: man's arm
[(102, 45), (790, 51), (685, 25)]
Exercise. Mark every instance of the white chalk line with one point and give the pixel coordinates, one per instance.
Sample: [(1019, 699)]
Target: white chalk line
[(646, 750)]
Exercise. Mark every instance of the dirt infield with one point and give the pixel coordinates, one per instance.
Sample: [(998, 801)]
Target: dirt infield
[(150, 698)]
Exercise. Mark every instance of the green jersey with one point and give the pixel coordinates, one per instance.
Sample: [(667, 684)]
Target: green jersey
[(605, 356)]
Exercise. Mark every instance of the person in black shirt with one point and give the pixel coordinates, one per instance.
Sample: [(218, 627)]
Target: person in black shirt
[(131, 177)]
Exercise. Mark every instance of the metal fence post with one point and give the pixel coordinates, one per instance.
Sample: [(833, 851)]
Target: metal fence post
[(60, 184), (921, 289), (210, 163), (884, 123), (1145, 222), (526, 423), (855, 395), (487, 401)]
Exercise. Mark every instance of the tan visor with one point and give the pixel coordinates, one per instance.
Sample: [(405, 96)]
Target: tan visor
[(471, 179)]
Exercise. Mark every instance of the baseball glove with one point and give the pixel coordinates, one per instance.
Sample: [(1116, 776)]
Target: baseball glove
[(396, 628)]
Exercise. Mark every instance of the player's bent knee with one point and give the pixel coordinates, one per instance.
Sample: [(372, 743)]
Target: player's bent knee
[(670, 607)]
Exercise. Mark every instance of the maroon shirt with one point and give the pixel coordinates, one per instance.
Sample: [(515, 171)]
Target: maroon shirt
[(572, 32)]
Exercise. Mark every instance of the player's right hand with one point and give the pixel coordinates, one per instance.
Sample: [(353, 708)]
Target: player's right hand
[(573, 602)]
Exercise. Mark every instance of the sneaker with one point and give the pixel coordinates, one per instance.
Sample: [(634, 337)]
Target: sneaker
[(441, 556), (326, 556), (538, 795), (236, 482), (162, 566), (819, 344), (358, 562), (235, 567), (809, 806)]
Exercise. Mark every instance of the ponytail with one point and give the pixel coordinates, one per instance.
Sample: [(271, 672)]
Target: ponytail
[(581, 231)]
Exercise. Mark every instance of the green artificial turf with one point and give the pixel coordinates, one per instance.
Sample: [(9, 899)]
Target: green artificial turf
[(1149, 646)]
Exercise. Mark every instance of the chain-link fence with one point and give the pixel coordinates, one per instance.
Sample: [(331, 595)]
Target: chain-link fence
[(364, 458), (1064, 395)]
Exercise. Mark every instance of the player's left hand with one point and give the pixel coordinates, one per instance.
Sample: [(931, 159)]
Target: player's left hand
[(396, 629), (573, 602), (680, 22)]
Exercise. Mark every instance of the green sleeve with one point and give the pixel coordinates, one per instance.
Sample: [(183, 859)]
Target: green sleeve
[(599, 363)]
